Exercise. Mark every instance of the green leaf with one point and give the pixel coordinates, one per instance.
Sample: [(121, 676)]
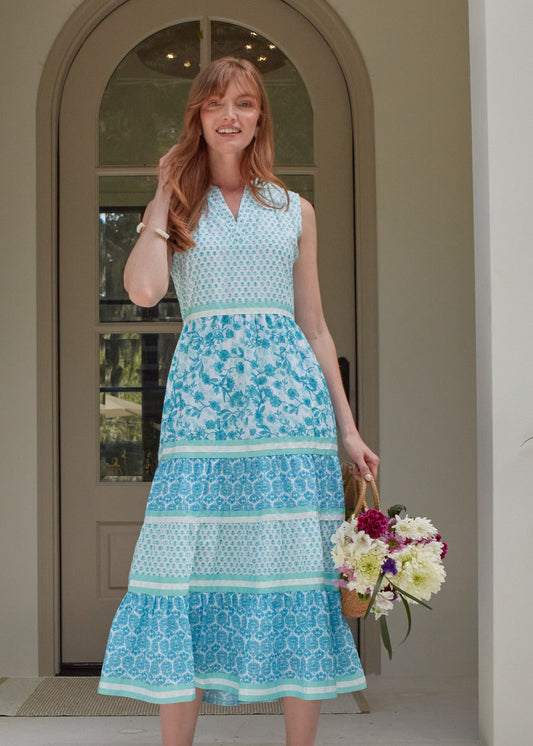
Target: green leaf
[(375, 593), (404, 593), (395, 510), (385, 635), (408, 612)]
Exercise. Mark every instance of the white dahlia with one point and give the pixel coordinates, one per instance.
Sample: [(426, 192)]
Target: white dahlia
[(365, 556), (420, 570), (415, 528)]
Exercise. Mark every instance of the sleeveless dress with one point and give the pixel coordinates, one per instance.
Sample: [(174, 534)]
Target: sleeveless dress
[(231, 583)]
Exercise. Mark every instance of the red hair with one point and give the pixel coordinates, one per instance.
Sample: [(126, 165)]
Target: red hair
[(189, 172)]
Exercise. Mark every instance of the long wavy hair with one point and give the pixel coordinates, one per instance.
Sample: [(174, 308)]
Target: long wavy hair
[(189, 170)]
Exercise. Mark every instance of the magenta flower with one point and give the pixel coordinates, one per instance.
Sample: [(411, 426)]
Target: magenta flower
[(373, 523)]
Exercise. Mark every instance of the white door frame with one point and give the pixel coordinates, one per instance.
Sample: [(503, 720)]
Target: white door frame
[(78, 27)]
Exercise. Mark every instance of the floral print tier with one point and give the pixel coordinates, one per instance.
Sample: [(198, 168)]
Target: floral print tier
[(231, 584)]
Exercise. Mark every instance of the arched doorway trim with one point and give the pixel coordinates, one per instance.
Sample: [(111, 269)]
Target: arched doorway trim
[(70, 39)]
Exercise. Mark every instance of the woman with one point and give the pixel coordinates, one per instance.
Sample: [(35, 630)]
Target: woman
[(230, 595)]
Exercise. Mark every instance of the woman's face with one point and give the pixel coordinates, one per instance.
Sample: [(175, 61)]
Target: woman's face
[(229, 121)]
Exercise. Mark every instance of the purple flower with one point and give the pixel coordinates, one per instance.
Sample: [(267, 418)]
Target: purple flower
[(373, 523), (390, 566)]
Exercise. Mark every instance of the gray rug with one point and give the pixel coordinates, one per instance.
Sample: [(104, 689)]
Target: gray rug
[(70, 696)]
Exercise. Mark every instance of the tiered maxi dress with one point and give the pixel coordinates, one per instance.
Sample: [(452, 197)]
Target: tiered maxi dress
[(231, 584)]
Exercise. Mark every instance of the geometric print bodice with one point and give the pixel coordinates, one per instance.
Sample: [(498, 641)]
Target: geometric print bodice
[(244, 263)]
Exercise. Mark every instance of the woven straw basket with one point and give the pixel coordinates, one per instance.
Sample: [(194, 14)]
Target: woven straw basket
[(355, 502)]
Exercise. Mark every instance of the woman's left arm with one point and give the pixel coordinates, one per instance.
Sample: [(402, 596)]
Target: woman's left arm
[(310, 318)]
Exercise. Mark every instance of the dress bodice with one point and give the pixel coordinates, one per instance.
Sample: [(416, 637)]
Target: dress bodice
[(243, 263)]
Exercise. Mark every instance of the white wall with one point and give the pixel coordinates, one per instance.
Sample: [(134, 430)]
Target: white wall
[(416, 52), (502, 61), (417, 55), (28, 30)]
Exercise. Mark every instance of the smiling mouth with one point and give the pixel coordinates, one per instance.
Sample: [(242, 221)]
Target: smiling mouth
[(228, 131)]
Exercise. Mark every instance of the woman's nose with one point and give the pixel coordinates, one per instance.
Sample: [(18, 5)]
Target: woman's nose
[(229, 111)]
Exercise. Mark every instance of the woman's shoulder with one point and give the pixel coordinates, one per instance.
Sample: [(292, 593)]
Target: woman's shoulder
[(279, 196)]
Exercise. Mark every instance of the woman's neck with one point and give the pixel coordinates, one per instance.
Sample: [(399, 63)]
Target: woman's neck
[(226, 173)]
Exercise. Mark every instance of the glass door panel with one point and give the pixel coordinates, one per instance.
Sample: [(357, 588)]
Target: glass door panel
[(122, 203), (142, 109), (303, 184), (133, 373)]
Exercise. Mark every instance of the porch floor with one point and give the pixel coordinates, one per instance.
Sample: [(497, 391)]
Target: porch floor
[(403, 712)]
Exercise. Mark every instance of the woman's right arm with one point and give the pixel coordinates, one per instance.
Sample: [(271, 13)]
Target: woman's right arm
[(147, 270)]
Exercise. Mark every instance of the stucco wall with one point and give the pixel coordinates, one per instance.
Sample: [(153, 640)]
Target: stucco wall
[(417, 56), (502, 60), (28, 31)]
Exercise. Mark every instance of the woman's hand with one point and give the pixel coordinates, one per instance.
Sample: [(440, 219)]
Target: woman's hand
[(365, 462)]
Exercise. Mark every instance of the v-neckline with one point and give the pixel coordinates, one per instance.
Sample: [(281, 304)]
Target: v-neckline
[(234, 218)]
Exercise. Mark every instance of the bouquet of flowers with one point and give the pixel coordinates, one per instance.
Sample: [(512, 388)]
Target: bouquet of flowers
[(387, 559)]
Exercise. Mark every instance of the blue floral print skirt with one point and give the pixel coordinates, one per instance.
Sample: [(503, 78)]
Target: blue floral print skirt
[(231, 584)]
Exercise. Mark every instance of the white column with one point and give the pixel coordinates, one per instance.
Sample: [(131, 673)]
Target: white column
[(502, 123)]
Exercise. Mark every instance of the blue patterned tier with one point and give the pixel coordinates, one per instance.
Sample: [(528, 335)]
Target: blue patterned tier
[(238, 647)]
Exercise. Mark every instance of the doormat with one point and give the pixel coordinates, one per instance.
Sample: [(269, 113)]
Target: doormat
[(71, 696)]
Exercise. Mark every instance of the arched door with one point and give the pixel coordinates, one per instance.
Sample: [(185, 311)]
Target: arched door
[(121, 109)]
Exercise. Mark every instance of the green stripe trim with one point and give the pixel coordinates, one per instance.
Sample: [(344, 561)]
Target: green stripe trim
[(243, 306), (143, 591), (252, 441), (336, 514), (248, 447), (149, 687), (223, 682), (228, 576), (246, 454)]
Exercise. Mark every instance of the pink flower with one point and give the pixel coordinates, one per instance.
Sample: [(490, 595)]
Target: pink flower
[(396, 542), (373, 523), (340, 583)]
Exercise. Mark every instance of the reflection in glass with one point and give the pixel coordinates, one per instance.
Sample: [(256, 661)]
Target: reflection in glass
[(122, 203), (133, 374), (289, 100), (142, 109), (303, 184)]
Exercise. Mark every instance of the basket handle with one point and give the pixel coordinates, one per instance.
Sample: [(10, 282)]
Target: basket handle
[(361, 496)]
